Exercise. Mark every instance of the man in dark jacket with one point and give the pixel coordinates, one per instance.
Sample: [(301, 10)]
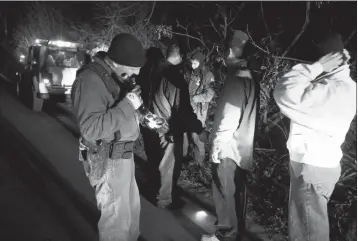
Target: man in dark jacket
[(200, 82), (148, 79), (232, 142), (172, 102), (105, 107)]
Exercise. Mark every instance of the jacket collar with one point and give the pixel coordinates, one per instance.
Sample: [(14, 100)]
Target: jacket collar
[(100, 60)]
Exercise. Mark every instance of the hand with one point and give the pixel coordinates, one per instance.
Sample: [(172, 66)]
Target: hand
[(194, 99), (169, 137), (153, 121), (346, 56), (331, 61), (134, 97), (204, 136)]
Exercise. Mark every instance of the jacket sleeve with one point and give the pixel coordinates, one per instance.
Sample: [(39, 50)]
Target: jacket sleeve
[(228, 113), (297, 93), (208, 92), (95, 119)]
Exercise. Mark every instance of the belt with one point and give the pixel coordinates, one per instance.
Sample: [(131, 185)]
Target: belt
[(114, 149)]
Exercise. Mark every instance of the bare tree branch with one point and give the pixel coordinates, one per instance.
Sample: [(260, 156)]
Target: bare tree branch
[(230, 22), (210, 52), (253, 42), (350, 37), (212, 24), (263, 18), (307, 19), (233, 19), (150, 16), (186, 31), (189, 36), (225, 26)]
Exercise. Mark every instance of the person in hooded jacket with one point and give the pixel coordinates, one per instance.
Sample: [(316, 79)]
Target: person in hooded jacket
[(320, 100), (172, 102), (232, 142), (200, 83)]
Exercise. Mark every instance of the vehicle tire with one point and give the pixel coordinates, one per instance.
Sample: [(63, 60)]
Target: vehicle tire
[(37, 103)]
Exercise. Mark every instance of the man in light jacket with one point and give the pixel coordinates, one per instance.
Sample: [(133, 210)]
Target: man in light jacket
[(232, 140), (320, 100)]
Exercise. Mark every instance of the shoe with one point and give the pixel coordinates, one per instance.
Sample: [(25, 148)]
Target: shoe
[(209, 238), (171, 205), (163, 203)]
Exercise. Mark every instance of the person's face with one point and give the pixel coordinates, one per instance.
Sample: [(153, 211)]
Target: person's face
[(179, 58), (232, 55), (176, 57), (194, 63), (233, 52)]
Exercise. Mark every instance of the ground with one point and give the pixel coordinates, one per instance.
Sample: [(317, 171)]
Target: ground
[(24, 214)]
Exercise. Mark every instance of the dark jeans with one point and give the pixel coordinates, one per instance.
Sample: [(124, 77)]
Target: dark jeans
[(310, 190), (164, 165), (230, 199)]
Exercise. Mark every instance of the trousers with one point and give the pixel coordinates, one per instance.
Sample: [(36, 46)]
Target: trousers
[(164, 165), (192, 144), (117, 198), (230, 198), (310, 190)]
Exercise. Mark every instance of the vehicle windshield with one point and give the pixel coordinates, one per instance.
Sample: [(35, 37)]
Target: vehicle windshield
[(63, 59)]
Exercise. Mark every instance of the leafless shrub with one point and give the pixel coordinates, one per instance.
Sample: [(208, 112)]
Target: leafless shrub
[(121, 17), (41, 21)]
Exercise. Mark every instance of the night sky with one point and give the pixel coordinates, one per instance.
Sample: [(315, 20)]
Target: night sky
[(285, 16)]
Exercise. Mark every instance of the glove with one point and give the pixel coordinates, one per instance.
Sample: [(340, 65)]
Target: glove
[(134, 97)]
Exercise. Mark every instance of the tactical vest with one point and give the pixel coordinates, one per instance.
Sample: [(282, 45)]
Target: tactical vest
[(117, 89)]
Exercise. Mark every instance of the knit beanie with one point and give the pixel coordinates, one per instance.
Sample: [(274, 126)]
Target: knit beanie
[(154, 54), (237, 39), (126, 49), (330, 43)]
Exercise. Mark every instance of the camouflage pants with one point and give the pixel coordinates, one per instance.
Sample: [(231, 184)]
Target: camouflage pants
[(117, 197)]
